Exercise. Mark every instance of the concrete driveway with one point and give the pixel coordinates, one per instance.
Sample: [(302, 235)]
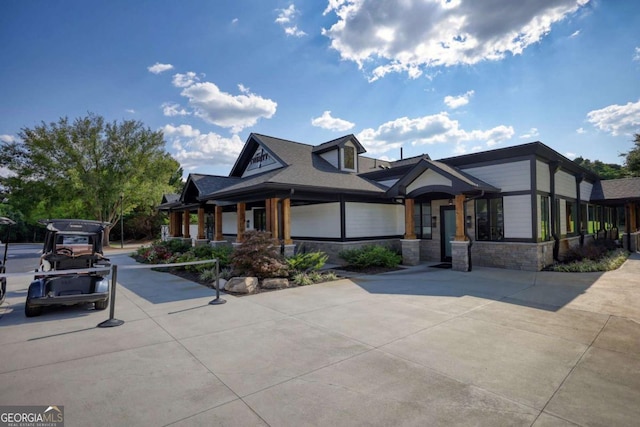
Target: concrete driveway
[(422, 346)]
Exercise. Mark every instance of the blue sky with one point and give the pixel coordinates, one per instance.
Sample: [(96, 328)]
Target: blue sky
[(442, 77)]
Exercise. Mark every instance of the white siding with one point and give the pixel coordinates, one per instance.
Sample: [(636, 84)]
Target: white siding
[(320, 220), (370, 220), (539, 215), (331, 157), (563, 217), (543, 176), (514, 176), (585, 191), (428, 177), (229, 223), (565, 184), (517, 216)]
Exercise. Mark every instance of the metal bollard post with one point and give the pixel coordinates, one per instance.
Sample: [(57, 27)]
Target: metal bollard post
[(112, 321), (218, 300)]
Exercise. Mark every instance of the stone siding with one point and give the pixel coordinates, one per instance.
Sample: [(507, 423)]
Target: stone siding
[(516, 256)]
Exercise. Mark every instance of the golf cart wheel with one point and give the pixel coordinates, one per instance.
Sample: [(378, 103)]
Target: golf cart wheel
[(101, 305), (32, 310)]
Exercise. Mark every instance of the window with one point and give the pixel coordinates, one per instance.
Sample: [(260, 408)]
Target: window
[(545, 231), (260, 219), (570, 217), (583, 218), (349, 157), (593, 225), (422, 220), (489, 219)]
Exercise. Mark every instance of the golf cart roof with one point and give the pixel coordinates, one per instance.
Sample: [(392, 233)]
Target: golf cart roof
[(6, 221), (82, 226)]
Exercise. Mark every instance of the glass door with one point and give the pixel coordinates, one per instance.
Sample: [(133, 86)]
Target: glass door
[(447, 231)]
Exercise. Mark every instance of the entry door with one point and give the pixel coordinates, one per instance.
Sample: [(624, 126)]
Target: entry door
[(447, 231)]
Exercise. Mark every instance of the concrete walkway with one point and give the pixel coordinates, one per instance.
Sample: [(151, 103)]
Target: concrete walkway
[(421, 346)]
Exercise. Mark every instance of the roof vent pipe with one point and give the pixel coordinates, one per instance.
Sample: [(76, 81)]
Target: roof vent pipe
[(401, 156)]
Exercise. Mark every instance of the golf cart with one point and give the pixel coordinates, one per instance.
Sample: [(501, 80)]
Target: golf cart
[(7, 223), (70, 244)]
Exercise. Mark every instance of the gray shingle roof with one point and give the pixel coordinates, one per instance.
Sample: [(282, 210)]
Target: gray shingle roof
[(302, 170), (616, 190)]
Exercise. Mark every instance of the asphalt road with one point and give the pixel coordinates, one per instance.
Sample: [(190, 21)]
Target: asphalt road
[(22, 257)]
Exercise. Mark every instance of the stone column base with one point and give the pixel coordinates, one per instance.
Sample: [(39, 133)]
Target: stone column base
[(200, 242), (289, 250), (410, 251), (218, 243), (460, 255)]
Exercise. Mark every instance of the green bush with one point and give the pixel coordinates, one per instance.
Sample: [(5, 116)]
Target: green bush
[(176, 251), (371, 256), (310, 261), (611, 261), (305, 279)]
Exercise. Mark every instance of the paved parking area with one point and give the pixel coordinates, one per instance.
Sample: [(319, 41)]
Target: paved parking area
[(422, 346)]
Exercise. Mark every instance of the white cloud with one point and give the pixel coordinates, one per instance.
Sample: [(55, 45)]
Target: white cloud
[(8, 138), (234, 21), (458, 101), (286, 18), (617, 119), (185, 80), (226, 110), (408, 36), (170, 109), (194, 149), (570, 155), (576, 33), (636, 54), (434, 129), (581, 131), (325, 121), (158, 68), (130, 111), (532, 133)]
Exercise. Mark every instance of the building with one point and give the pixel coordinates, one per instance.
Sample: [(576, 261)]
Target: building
[(518, 207)]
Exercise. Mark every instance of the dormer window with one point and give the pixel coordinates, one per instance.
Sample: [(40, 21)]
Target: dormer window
[(349, 157)]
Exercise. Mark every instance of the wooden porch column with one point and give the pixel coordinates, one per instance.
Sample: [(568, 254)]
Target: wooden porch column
[(632, 217), (201, 235), (271, 208), (218, 224), (241, 208), (171, 223), (186, 217), (286, 221), (178, 225), (409, 222), (460, 236)]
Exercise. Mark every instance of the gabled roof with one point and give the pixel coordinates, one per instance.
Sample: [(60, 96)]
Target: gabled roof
[(461, 182), (302, 169), (198, 185), (616, 190), (339, 143)]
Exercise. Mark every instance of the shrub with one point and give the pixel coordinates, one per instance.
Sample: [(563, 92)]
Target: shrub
[(611, 261), (258, 256), (305, 279), (310, 261), (371, 256)]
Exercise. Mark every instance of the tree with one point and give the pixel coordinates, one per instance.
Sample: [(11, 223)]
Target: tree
[(604, 170), (632, 161), (89, 169)]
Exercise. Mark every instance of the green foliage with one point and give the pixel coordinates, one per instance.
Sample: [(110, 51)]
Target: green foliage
[(371, 256), (258, 256), (312, 277), (80, 169), (632, 158), (604, 170), (611, 261), (307, 262), (176, 251)]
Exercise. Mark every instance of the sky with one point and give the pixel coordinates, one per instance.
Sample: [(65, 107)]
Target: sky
[(441, 77)]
